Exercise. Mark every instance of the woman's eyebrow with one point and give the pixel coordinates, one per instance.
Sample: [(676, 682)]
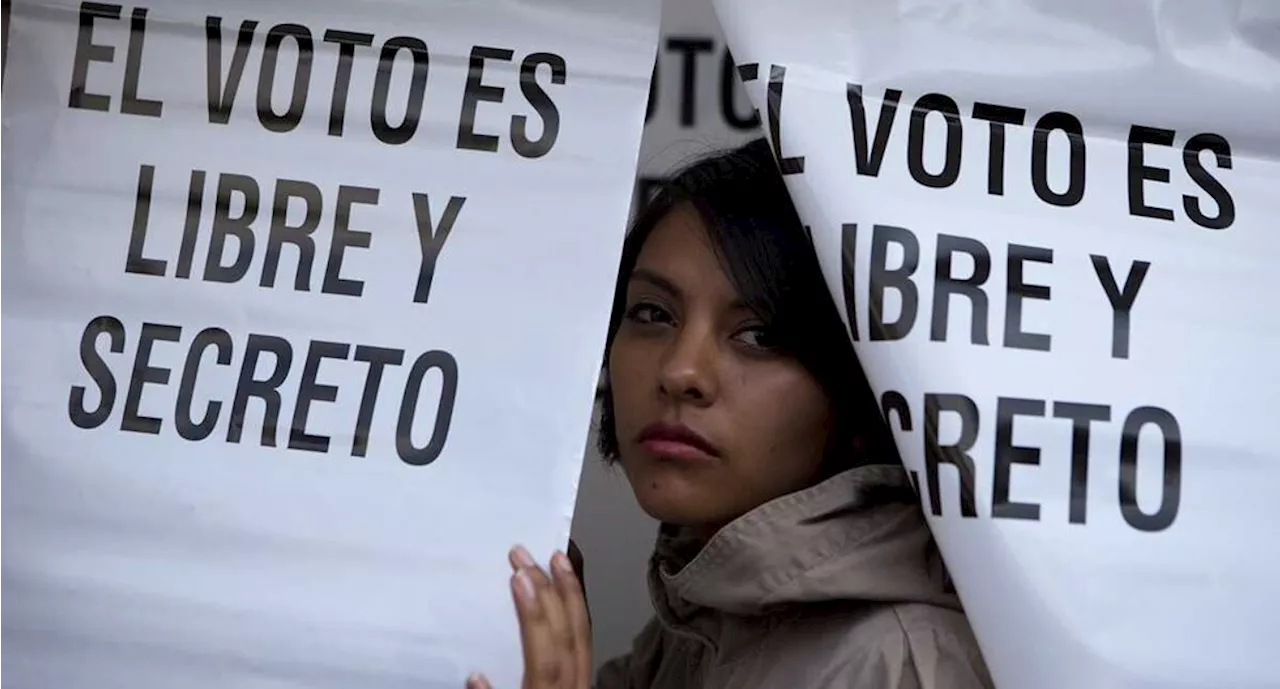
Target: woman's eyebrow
[(656, 280)]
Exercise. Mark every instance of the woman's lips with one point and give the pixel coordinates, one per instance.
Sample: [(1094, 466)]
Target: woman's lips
[(676, 442)]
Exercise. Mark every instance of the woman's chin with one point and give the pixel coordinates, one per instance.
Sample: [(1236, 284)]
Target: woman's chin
[(672, 498)]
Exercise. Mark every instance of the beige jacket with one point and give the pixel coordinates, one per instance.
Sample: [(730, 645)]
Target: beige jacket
[(837, 586)]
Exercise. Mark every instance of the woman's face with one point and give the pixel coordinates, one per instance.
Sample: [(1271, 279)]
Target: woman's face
[(711, 421)]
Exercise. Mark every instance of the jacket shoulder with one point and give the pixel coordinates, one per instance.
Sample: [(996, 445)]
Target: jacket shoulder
[(914, 646), (657, 659), (633, 670)]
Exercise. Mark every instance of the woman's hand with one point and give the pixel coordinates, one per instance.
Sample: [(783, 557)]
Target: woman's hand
[(554, 631)]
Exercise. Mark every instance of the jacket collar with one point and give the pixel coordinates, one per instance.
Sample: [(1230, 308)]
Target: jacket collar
[(859, 536)]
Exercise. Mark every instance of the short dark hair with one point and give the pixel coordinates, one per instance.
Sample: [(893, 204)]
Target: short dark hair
[(768, 255)]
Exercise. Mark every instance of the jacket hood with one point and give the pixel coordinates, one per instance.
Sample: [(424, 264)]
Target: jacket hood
[(859, 536)]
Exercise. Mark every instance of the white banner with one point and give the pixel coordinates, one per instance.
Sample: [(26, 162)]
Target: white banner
[(1053, 228), (303, 308), (696, 105)]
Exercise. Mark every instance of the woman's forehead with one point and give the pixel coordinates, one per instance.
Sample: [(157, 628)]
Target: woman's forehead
[(679, 251), (680, 259)]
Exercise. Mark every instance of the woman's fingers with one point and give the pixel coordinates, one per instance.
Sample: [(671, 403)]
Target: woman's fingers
[(571, 594), (519, 558), (550, 654), (550, 602), (536, 641), (555, 633)]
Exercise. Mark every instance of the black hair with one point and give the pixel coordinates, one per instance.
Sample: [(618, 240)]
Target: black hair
[(768, 256)]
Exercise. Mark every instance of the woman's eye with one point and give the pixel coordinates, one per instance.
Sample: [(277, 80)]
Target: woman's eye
[(759, 337), (646, 313)]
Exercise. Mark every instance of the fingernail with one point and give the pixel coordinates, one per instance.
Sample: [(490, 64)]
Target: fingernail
[(475, 681), (561, 562), (523, 558), (524, 586)]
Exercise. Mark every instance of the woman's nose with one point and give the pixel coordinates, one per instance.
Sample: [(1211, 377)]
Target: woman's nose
[(689, 371)]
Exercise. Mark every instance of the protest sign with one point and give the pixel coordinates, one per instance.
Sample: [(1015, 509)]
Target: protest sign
[(1052, 230), (304, 305), (696, 103)]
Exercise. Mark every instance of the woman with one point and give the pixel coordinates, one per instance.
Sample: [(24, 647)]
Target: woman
[(793, 552)]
